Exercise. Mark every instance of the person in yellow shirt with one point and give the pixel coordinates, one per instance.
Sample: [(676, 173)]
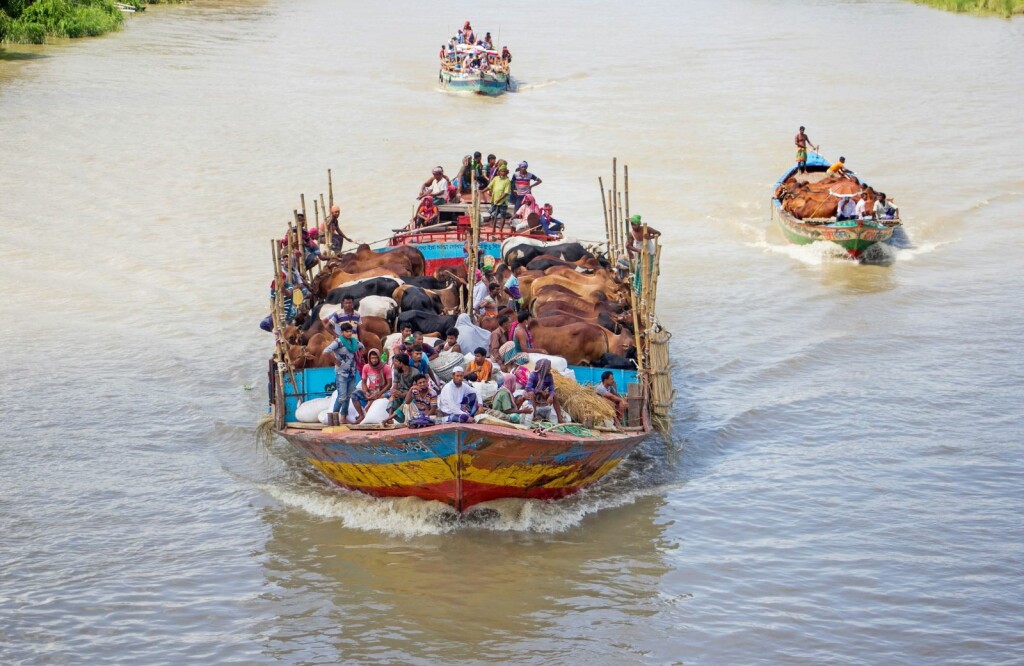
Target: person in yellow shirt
[(499, 188), (839, 168), (480, 367)]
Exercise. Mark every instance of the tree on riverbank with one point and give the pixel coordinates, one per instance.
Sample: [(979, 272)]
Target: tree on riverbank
[(32, 21), (1005, 8)]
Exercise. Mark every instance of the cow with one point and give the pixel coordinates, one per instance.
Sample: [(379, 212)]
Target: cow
[(580, 343), (378, 306), (426, 282), (376, 325), (519, 251), (582, 285), (333, 276), (554, 297), (363, 258), (379, 286), (457, 273), (411, 297), (546, 261), (561, 317), (615, 362), (428, 323)]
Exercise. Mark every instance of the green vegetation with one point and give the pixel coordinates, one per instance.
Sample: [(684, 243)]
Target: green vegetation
[(1005, 8), (32, 21)]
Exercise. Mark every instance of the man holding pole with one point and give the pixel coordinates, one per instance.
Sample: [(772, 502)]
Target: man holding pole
[(337, 236)]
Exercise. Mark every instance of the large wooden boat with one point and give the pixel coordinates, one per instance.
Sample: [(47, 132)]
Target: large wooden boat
[(854, 236), (464, 464)]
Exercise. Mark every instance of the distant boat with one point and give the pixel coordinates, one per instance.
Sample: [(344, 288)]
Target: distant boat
[(823, 192), (474, 69)]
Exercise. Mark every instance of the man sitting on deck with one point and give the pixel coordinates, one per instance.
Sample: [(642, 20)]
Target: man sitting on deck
[(540, 391), (499, 336), (457, 401), (402, 380), (426, 214), (607, 390), (420, 405), (847, 209), (480, 368), (436, 187), (884, 210)]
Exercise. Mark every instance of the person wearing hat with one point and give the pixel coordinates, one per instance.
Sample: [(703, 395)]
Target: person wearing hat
[(337, 235), (523, 183), (499, 190), (456, 403), (437, 187), (638, 235)]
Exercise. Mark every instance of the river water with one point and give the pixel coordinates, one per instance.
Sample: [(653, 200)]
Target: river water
[(844, 479)]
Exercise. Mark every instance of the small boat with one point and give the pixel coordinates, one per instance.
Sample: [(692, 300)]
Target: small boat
[(474, 69), (854, 236), (464, 464)]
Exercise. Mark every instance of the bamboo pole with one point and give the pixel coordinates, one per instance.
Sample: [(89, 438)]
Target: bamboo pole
[(328, 236), (615, 190), (607, 226), (614, 239), (626, 189), (330, 188)]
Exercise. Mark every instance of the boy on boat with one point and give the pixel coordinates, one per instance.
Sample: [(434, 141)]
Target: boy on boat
[(344, 349), (499, 188), (607, 390), (838, 168)]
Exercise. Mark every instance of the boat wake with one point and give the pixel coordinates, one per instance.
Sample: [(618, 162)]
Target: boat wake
[(900, 248), (647, 472)]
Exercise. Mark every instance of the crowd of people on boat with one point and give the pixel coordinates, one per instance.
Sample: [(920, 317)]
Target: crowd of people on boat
[(466, 53), (509, 196)]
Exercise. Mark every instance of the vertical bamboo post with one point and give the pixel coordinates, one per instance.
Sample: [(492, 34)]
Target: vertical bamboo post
[(328, 235), (625, 185), (474, 223), (607, 227), (615, 190), (330, 188), (614, 227)]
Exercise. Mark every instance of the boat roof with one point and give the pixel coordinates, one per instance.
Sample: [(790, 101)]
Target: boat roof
[(815, 161)]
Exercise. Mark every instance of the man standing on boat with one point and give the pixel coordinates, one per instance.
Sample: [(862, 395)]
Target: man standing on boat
[(499, 188), (338, 237), (344, 350), (801, 142), (523, 183), (347, 315)]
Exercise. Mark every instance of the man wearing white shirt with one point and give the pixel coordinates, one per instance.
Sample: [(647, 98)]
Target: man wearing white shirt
[(457, 401), (847, 209)]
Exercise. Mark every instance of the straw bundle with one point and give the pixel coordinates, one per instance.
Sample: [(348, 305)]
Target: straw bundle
[(581, 402)]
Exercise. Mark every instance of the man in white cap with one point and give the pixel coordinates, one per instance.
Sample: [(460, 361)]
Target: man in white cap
[(457, 401), (523, 183), (436, 187)]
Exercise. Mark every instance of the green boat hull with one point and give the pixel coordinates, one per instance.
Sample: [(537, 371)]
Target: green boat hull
[(853, 236)]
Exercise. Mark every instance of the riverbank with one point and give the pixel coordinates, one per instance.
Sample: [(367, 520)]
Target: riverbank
[(33, 21), (1005, 8)]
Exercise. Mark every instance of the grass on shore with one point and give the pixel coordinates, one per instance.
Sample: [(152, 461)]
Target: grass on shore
[(32, 21), (1006, 8)]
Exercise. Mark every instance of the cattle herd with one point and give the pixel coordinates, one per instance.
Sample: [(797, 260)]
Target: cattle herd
[(580, 306)]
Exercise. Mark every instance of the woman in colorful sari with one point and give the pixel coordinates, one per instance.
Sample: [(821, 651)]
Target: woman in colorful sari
[(426, 215)]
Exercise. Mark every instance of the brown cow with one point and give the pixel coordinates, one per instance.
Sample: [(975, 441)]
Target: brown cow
[(815, 200), (580, 343), (376, 325), (364, 259)]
